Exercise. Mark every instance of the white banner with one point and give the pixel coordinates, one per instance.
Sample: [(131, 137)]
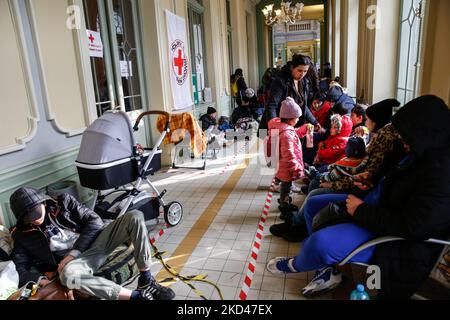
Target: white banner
[(95, 44), (179, 62)]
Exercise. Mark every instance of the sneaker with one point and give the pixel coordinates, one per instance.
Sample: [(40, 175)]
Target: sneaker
[(296, 233), (289, 208), (279, 229), (157, 291), (290, 200), (324, 281), (305, 190), (281, 265)]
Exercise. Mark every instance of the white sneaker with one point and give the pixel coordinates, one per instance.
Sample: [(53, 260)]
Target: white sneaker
[(325, 280), (295, 188)]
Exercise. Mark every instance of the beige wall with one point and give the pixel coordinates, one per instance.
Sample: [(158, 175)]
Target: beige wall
[(66, 98), (18, 123), (436, 67)]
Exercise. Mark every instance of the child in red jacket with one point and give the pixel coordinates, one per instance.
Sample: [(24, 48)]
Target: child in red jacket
[(333, 149)]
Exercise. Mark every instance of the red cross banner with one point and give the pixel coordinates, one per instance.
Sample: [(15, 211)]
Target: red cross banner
[(95, 44), (179, 62)]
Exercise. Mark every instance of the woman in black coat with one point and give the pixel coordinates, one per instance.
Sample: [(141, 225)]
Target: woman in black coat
[(289, 83), (411, 202), (415, 200)]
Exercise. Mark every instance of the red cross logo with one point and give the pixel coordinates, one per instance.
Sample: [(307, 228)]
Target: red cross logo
[(91, 37), (179, 62)]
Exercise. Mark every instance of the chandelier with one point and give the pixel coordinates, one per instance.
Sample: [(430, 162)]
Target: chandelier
[(286, 14)]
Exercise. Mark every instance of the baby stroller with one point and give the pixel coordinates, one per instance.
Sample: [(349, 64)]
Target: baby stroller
[(109, 159)]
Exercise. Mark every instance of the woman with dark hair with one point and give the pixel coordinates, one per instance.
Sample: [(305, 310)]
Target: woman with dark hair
[(288, 83)]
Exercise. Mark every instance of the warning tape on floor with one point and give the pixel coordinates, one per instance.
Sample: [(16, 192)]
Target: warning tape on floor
[(244, 147), (159, 234), (256, 246)]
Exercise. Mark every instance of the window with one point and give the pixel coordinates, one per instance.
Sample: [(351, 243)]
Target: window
[(229, 38), (411, 33), (197, 41), (117, 66)]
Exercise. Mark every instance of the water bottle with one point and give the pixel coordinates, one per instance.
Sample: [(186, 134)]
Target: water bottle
[(359, 293), (310, 136)]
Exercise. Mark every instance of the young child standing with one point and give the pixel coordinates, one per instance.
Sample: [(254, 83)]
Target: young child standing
[(290, 163)]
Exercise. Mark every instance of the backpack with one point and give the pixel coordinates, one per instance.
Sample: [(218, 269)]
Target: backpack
[(120, 266), (267, 143)]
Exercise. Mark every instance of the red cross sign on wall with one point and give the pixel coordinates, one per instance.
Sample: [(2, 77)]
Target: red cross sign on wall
[(91, 37), (179, 62)]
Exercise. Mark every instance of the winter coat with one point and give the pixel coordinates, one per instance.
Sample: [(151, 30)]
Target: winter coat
[(333, 149), (290, 164), (282, 87), (336, 95), (380, 155), (323, 114), (32, 255), (415, 200), (207, 122)]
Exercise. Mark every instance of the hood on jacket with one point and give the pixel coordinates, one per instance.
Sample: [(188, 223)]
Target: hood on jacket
[(276, 124), (423, 124), (24, 199), (345, 124), (334, 93)]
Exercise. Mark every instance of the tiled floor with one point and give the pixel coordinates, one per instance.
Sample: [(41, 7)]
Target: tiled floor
[(216, 233)]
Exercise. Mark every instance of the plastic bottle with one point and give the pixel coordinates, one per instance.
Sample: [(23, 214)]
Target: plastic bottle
[(359, 293), (310, 136)]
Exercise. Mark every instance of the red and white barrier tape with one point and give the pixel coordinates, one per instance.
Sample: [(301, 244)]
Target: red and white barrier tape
[(256, 246), (159, 234), (234, 158)]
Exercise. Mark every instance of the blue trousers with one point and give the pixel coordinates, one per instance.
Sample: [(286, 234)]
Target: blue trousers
[(330, 245)]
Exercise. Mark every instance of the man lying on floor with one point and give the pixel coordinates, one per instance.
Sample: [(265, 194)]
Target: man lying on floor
[(69, 238)]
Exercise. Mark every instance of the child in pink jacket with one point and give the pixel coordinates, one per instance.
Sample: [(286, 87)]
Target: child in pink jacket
[(290, 158)]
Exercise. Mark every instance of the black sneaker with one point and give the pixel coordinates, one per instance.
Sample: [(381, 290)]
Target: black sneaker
[(157, 291), (286, 216), (296, 233), (288, 209), (305, 190), (278, 230)]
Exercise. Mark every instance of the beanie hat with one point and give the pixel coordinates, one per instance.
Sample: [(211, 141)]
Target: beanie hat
[(381, 112), (211, 110), (290, 109), (336, 121), (356, 148)]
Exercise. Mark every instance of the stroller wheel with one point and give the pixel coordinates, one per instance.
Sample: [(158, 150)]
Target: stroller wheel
[(173, 212)]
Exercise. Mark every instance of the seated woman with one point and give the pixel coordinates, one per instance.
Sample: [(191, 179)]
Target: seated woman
[(412, 203), (381, 153)]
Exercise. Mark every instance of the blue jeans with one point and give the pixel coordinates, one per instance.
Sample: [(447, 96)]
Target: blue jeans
[(330, 245)]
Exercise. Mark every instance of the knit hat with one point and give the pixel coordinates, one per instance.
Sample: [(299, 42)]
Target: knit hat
[(211, 110), (381, 112), (356, 148), (290, 109)]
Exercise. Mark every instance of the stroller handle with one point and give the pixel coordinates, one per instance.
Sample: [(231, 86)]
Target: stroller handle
[(150, 113)]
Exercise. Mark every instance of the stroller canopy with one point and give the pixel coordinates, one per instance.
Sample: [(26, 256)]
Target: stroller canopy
[(109, 138)]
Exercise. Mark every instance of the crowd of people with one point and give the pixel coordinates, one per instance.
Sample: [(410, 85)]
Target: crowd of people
[(368, 174)]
